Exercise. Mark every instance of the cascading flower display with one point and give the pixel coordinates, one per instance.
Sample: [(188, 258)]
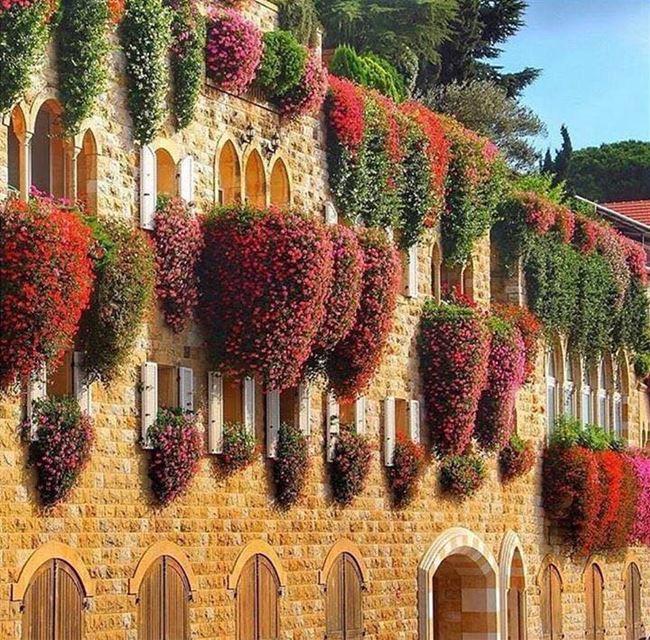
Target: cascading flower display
[(345, 111), (265, 277), (461, 476), (46, 278), (178, 242), (516, 459), (409, 461), (176, 450), (233, 50), (640, 533), (355, 359), (238, 450), (351, 464), (586, 234), (61, 449), (291, 466), (506, 362), (307, 96), (454, 349)]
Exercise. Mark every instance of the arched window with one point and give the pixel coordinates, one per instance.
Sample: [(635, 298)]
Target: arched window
[(53, 603), (163, 602), (569, 387), (468, 280), (586, 410), (594, 591), (436, 266), (87, 173), (619, 399), (634, 629), (551, 390), (229, 176), (48, 152), (166, 174), (16, 152), (257, 591), (551, 603), (344, 607), (280, 190), (255, 181), (602, 405)]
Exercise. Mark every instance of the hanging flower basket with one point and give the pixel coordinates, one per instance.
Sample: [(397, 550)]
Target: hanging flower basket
[(351, 465), (238, 448), (531, 330), (308, 95), (516, 459), (461, 476), (291, 466), (409, 460)]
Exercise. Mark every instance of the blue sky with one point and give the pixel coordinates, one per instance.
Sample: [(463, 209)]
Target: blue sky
[(595, 56)]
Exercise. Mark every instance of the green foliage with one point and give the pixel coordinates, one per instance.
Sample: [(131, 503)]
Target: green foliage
[(291, 466), (570, 432), (238, 448), (23, 36), (559, 165), (541, 183), (634, 313), (283, 63), (301, 18), (642, 365), (188, 43), (462, 475), (146, 36), (611, 172)]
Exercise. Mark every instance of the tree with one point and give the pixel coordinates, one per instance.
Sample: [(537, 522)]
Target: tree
[(558, 166), (476, 32), (485, 107), (611, 172)]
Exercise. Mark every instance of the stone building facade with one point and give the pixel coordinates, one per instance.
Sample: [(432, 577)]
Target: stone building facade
[(490, 566)]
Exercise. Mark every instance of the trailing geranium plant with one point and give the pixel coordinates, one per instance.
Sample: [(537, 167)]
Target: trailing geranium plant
[(531, 330), (461, 476), (238, 449), (265, 276), (640, 533), (516, 459), (176, 450), (178, 242), (124, 281), (45, 284), (409, 460), (291, 466), (61, 447), (355, 359), (308, 94), (351, 465)]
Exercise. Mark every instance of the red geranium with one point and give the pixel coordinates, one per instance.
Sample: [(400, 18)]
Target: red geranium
[(265, 276), (516, 459), (346, 112), (611, 478), (355, 359), (408, 466), (586, 234), (540, 213), (308, 95), (350, 466), (565, 223), (45, 283), (618, 535), (641, 531)]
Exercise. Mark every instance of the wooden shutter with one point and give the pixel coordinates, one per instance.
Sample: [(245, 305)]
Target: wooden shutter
[(215, 412), (635, 622), (272, 422), (353, 599), (150, 607), (149, 408), (389, 430), (414, 420), (555, 598), (147, 187), (38, 605), (186, 179), (246, 598), (81, 384), (412, 272), (249, 405), (186, 389), (68, 603), (360, 414), (36, 390), (304, 408), (268, 585), (599, 604), (590, 616), (333, 425), (545, 605), (176, 596), (335, 602)]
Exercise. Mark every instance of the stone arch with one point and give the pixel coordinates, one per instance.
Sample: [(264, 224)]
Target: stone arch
[(155, 551), (512, 564), (52, 551), (252, 549), (87, 171), (462, 546), (255, 178), (228, 171), (17, 146), (52, 154), (46, 95), (281, 186), (343, 546)]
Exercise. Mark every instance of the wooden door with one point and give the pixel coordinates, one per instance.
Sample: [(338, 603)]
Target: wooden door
[(258, 615), (634, 629), (516, 628), (595, 615), (344, 607), (551, 604), (38, 605)]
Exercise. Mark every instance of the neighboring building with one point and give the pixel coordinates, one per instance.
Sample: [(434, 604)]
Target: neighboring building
[(222, 562)]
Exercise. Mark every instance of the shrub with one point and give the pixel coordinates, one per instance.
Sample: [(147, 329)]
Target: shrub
[(233, 50), (404, 476), (351, 465), (61, 450), (516, 459), (291, 466), (454, 348), (301, 18), (81, 58), (178, 242), (176, 449), (124, 279), (283, 63), (238, 448), (355, 359), (308, 95), (45, 284), (265, 276), (146, 36), (462, 475)]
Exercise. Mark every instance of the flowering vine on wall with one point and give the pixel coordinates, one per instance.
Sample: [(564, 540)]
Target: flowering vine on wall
[(461, 476), (350, 466), (516, 459), (409, 460), (291, 466)]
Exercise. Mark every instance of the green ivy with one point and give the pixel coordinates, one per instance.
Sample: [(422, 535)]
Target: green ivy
[(23, 36), (81, 57), (634, 313), (283, 63), (146, 37)]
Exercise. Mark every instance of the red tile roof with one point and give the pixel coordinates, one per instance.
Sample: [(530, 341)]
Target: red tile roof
[(638, 210)]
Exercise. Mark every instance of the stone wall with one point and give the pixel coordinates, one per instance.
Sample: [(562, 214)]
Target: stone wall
[(109, 519)]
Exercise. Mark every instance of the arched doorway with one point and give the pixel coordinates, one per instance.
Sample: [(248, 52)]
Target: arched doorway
[(513, 581), (634, 629), (280, 190), (594, 603), (16, 152), (458, 589)]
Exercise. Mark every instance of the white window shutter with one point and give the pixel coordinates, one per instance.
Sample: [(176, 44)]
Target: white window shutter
[(389, 430), (36, 390), (149, 399), (186, 389), (414, 420), (186, 179), (82, 387), (333, 425), (272, 422), (360, 414), (412, 282), (147, 187), (304, 408), (215, 412), (249, 404), (331, 215)]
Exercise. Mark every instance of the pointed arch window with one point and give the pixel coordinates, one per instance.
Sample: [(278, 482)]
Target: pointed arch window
[(280, 186), (602, 397), (569, 386), (87, 173), (255, 181), (551, 390), (16, 152), (50, 164), (229, 175), (166, 174)]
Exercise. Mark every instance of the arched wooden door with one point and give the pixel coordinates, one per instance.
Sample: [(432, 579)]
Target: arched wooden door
[(552, 624), (53, 604), (344, 607), (163, 602), (594, 590), (634, 629), (258, 615)]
